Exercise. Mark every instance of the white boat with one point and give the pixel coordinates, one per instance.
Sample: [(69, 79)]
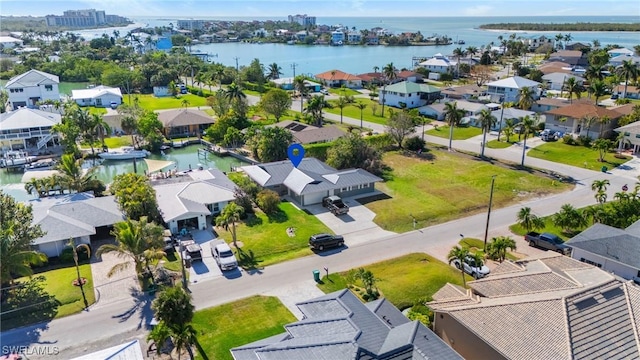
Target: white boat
[(45, 164), (124, 153), (16, 158)]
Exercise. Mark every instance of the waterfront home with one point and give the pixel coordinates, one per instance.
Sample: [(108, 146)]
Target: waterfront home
[(340, 326), (337, 78), (545, 307), (556, 80), (577, 46), (508, 89), (184, 122), (535, 42), (311, 181), (190, 199), (372, 39), (337, 37), (571, 119), (301, 35), (32, 87), (375, 78), (633, 92), (8, 42), (408, 95), (613, 250), (465, 92), (28, 128), (620, 52), (354, 37), (79, 216), (618, 60), (572, 57), (99, 96), (439, 64), (631, 133), (286, 83), (309, 134)]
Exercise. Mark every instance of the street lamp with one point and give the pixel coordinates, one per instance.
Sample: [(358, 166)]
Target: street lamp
[(486, 229)]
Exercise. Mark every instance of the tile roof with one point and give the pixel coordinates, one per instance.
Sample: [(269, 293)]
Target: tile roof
[(25, 118), (630, 89), (183, 117), (335, 75), (514, 82), (32, 78), (582, 110), (609, 242), (450, 291), (520, 284), (407, 87), (506, 267)]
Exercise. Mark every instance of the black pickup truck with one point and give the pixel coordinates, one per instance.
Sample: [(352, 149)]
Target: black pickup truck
[(547, 241), (335, 205)]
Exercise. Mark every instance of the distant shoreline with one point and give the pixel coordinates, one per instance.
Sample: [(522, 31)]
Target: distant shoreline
[(599, 27)]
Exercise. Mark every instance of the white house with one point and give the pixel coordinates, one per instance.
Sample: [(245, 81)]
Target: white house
[(440, 64), (9, 42), (192, 198), (535, 42), (34, 86), (631, 133), (437, 110), (556, 80), (99, 96), (406, 94), (337, 37), (620, 51), (618, 60), (27, 128), (611, 249), (513, 114), (508, 89), (354, 37)]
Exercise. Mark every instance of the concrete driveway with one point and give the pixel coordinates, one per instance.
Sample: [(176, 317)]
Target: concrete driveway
[(357, 226), (207, 269)]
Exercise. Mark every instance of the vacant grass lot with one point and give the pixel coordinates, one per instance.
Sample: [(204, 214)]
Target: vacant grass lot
[(221, 328), (150, 102), (459, 133), (449, 186), (267, 237), (405, 280), (575, 155), (367, 114)]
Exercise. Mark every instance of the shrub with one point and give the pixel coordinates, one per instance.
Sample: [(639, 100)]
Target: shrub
[(540, 126), (584, 141), (268, 201), (568, 139), (318, 151), (413, 143), (380, 142), (66, 256)]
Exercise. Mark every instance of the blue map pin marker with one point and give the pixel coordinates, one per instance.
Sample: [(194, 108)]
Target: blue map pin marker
[(296, 154)]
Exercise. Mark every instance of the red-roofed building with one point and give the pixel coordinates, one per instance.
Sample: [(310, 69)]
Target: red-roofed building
[(575, 119), (337, 78)]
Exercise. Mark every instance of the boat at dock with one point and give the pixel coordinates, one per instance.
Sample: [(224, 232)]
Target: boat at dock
[(124, 153), (16, 158), (44, 164)]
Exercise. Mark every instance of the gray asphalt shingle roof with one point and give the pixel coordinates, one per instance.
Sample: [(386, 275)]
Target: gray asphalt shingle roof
[(612, 243), (32, 78)]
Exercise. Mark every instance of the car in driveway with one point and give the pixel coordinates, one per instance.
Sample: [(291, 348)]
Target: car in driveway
[(324, 92), (324, 241), (477, 270), (224, 256)]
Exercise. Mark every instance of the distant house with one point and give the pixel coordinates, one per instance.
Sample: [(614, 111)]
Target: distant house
[(633, 92), (611, 249), (620, 52), (28, 128), (631, 133), (571, 57), (79, 216), (555, 67), (408, 95), (190, 200), (437, 110), (181, 122), (619, 60), (508, 89), (163, 44), (354, 37), (286, 83), (99, 96), (546, 307), (372, 39), (513, 114), (8, 42), (32, 87), (338, 326), (337, 78), (578, 46), (546, 104), (375, 78), (309, 134), (439, 64), (311, 181), (337, 37), (465, 92), (535, 42), (407, 75), (570, 119), (556, 80)]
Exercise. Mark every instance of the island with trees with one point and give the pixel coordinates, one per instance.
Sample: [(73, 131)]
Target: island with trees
[(579, 26)]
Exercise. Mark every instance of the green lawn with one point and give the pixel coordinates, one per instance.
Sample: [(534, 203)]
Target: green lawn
[(449, 186), (118, 141), (367, 114), (150, 102), (495, 144), (267, 237), (459, 133), (575, 155), (224, 327), (344, 91), (549, 228), (96, 110), (405, 280)]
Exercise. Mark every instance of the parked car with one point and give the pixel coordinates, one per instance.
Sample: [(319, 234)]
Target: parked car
[(192, 249), (614, 97), (224, 256), (335, 205), (477, 270), (322, 241), (324, 91), (547, 241)]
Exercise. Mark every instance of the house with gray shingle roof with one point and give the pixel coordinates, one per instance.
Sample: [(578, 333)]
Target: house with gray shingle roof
[(547, 307), (309, 134), (338, 326), (79, 216), (311, 181), (180, 122), (612, 249), (26, 127), (32, 87)]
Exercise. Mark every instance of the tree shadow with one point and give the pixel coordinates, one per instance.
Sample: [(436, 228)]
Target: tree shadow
[(28, 303), (278, 217), (373, 198), (141, 306), (249, 262), (253, 220)]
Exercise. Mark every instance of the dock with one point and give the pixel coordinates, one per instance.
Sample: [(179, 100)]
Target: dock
[(215, 150)]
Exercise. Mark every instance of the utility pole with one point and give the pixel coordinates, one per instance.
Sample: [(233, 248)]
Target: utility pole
[(237, 68), (293, 66), (501, 117), (486, 229)]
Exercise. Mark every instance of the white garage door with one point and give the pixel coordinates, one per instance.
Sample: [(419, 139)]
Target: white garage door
[(310, 199)]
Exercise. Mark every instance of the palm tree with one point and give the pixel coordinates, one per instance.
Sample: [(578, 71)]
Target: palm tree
[(571, 86), (274, 71), (452, 115), (604, 120), (228, 218), (460, 254), (100, 127), (594, 72), (360, 106), (75, 248), (598, 89), (487, 121), (525, 98), (376, 68), (343, 101), (184, 336), (301, 87), (389, 72), (567, 38), (600, 187), (569, 218), (527, 127), (499, 245), (508, 129), (315, 106), (16, 260), (588, 120), (130, 126), (628, 70), (185, 103), (74, 177), (234, 92), (528, 220), (458, 53)]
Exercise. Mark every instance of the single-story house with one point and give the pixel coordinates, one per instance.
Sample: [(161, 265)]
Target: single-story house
[(410, 76), (571, 119), (309, 134), (611, 249), (337, 78), (375, 78), (79, 216), (189, 199), (571, 57), (631, 135), (340, 326), (286, 83), (545, 104), (513, 114), (311, 181), (556, 80), (554, 67), (28, 128), (465, 92), (9, 42), (508, 89), (633, 92), (437, 110), (179, 122), (620, 52), (99, 96), (439, 64), (408, 94), (547, 307), (618, 60)]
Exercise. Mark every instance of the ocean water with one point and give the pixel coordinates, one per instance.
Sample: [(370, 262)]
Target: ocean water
[(360, 59)]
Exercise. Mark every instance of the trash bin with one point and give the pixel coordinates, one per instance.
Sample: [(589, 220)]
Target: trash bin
[(316, 275), (604, 169)]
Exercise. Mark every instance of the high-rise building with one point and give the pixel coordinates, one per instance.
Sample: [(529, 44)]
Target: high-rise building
[(191, 24), (303, 20), (84, 18)]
